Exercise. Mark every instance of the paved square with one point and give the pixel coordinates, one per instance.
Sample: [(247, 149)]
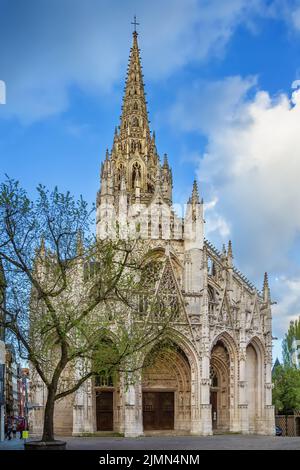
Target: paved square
[(219, 442)]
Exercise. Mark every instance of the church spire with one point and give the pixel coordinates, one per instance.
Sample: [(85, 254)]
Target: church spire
[(195, 193), (132, 164), (194, 199), (134, 118)]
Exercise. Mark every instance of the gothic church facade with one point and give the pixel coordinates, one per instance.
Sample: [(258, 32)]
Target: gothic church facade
[(218, 378)]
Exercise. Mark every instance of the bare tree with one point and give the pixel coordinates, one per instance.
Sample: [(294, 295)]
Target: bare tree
[(67, 292)]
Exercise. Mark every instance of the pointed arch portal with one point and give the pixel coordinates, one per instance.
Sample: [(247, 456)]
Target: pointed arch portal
[(219, 386), (166, 386)]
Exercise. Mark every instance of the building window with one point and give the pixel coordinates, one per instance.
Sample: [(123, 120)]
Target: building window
[(103, 380)]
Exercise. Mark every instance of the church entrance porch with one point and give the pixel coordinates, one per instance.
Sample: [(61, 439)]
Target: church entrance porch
[(219, 389), (158, 411), (166, 390)]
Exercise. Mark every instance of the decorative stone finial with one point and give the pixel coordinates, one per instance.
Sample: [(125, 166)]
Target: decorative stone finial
[(266, 289)]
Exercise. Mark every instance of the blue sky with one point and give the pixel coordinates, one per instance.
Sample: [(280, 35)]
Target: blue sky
[(219, 77)]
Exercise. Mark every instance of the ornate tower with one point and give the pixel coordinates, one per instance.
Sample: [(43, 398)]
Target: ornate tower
[(132, 166)]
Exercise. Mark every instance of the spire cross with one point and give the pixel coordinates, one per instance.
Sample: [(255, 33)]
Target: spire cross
[(135, 24)]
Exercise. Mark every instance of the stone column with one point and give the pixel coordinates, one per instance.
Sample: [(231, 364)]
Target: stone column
[(242, 403), (205, 406), (196, 426), (242, 385), (269, 411), (133, 413), (206, 419), (78, 426), (38, 395), (83, 412), (83, 416)]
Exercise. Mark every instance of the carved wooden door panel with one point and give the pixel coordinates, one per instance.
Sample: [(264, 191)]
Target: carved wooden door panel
[(166, 410), (104, 410), (158, 410), (214, 408), (149, 410)]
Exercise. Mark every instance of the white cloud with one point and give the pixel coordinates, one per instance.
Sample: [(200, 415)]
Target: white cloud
[(215, 223), (250, 175), (295, 84), (251, 163), (210, 105), (295, 16), (46, 47), (286, 10), (288, 304), (209, 108)]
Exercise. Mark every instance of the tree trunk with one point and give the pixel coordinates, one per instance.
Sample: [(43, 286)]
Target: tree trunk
[(48, 430)]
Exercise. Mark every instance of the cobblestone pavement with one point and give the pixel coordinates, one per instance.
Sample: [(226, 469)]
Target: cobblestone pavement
[(232, 442)]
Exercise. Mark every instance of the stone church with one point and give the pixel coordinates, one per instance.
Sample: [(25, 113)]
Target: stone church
[(218, 377)]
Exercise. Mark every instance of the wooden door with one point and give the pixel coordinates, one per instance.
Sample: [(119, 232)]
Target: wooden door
[(166, 410), (214, 408), (158, 410), (104, 410)]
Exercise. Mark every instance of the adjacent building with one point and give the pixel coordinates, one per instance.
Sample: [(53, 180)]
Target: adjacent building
[(2, 356), (2, 389), (23, 385), (11, 382)]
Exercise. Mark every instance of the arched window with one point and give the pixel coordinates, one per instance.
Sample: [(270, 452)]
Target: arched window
[(148, 283), (104, 355), (103, 380)]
